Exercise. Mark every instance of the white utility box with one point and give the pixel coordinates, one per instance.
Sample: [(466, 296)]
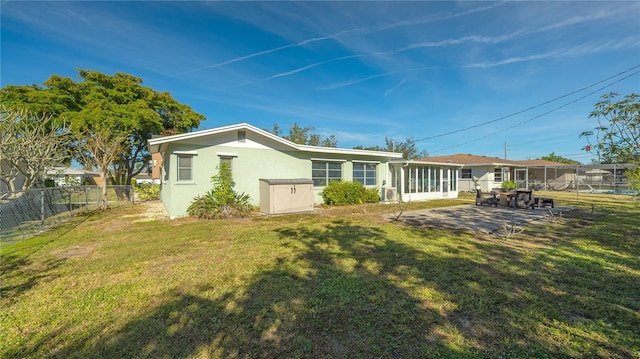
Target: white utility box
[(286, 195)]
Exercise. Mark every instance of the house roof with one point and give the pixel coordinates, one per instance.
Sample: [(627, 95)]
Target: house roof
[(541, 163), (155, 144), (472, 160), (425, 162), (475, 160)]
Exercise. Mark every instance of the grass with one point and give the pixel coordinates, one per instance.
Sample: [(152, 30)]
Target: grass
[(340, 283)]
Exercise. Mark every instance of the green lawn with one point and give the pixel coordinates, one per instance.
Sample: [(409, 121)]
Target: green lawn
[(340, 283)]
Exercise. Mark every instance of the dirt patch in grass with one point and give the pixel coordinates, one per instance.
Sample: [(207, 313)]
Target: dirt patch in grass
[(75, 251)]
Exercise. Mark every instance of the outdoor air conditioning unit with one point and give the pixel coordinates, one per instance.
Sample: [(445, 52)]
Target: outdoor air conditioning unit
[(390, 195)]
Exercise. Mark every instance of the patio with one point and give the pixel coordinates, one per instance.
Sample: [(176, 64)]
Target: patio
[(485, 219)]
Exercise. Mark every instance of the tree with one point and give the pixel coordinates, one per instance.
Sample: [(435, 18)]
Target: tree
[(304, 136), (112, 118), (557, 158), (618, 131), (29, 145), (407, 147)]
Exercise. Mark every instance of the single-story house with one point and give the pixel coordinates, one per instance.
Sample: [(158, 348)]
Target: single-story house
[(259, 158), (65, 176), (156, 165), (486, 173)]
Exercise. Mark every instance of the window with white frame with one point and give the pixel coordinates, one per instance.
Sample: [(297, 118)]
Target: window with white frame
[(466, 173), (324, 171), (185, 168), (497, 175), (453, 183), (365, 173)]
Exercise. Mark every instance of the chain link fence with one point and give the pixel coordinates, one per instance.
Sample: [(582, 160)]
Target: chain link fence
[(25, 213)]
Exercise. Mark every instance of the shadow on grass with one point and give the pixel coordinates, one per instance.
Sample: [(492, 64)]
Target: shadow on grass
[(353, 291), (578, 294), (18, 275)]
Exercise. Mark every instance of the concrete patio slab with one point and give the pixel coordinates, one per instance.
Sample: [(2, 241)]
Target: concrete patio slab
[(483, 219)]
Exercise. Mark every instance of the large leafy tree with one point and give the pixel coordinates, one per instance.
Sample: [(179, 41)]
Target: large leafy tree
[(618, 132), (30, 144), (305, 136), (111, 117), (617, 136), (407, 147), (557, 158)]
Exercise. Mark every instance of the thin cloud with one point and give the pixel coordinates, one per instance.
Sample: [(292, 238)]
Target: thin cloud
[(394, 87), (338, 34), (450, 42), (265, 52), (498, 39), (437, 18), (292, 72), (585, 49), (357, 81)]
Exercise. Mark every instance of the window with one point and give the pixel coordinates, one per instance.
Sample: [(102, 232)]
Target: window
[(466, 173), (453, 183), (185, 167), (497, 175), (365, 173), (445, 180), (435, 180), (421, 179), (323, 172), (227, 160)]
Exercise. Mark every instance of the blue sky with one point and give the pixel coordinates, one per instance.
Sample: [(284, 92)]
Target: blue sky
[(459, 77)]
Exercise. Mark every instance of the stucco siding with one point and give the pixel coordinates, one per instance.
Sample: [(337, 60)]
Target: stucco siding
[(248, 165), (254, 154)]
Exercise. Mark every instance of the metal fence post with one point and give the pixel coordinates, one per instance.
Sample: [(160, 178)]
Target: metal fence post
[(70, 204), (42, 209)]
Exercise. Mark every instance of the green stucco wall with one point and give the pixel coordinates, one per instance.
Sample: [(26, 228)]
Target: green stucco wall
[(249, 165)]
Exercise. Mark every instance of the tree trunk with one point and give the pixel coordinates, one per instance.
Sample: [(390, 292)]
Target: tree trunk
[(104, 177)]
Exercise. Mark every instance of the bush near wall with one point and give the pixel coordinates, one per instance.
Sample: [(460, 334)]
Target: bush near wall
[(221, 201), (345, 193), (148, 191)]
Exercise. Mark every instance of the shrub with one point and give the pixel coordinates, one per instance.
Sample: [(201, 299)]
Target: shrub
[(509, 185), (345, 193), (221, 201), (148, 191)]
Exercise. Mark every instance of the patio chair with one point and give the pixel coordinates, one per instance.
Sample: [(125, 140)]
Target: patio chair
[(542, 202), (523, 199), (488, 198)]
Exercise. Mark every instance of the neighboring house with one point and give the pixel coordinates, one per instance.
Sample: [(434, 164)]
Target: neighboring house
[(190, 159), (491, 172), (152, 173), (65, 176), (156, 167)]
